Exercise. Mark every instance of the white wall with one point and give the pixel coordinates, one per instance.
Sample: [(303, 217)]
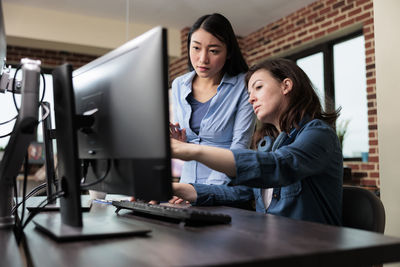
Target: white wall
[(35, 27), (387, 45)]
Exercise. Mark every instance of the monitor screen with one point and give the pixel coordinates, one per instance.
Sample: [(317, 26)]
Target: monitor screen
[(124, 95)]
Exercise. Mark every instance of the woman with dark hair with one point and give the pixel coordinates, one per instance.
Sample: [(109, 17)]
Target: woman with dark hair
[(297, 168), (210, 103)]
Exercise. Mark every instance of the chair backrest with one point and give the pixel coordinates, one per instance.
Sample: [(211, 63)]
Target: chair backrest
[(362, 209)]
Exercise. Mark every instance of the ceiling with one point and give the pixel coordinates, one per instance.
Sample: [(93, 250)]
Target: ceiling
[(246, 16)]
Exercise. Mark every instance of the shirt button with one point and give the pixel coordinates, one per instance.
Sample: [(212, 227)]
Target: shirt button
[(275, 196)]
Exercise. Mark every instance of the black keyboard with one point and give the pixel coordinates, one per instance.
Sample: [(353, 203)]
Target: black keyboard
[(187, 215)]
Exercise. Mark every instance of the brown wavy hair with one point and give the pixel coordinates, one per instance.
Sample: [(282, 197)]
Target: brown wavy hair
[(303, 104)]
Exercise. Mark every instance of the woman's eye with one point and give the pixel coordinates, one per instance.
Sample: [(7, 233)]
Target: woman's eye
[(195, 48), (214, 52)]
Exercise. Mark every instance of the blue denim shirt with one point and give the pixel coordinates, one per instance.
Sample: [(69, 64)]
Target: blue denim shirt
[(228, 123), (305, 172)]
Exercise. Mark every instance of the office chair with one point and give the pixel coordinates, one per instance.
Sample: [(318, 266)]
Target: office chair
[(362, 209)]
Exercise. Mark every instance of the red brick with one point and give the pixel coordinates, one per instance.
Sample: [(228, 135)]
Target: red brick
[(324, 11), (332, 14), (354, 167), (361, 2), (319, 34), (366, 166), (332, 29), (363, 16), (368, 6), (369, 21), (347, 23), (344, 9), (371, 81), (309, 38), (373, 143), (354, 12), (339, 18), (313, 29), (338, 4), (374, 175), (326, 24), (368, 182)]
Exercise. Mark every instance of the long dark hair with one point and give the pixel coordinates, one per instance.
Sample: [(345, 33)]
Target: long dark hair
[(221, 28), (304, 104)]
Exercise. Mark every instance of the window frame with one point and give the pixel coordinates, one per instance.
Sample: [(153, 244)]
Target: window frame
[(327, 50), (329, 75)]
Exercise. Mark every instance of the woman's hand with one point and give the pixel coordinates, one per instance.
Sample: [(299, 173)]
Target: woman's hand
[(178, 200), (183, 192), (176, 132)]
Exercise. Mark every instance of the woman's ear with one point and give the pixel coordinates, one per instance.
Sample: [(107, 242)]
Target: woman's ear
[(287, 85)]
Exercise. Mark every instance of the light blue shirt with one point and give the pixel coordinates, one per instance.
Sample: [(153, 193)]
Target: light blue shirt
[(228, 123)]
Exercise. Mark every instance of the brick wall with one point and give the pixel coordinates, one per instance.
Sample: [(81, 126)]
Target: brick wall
[(316, 23), (49, 58), (180, 66)]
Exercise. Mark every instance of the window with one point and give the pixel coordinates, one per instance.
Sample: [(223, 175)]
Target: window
[(313, 65), (337, 71)]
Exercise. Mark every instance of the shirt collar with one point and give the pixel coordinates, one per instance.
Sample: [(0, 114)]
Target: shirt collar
[(226, 79)]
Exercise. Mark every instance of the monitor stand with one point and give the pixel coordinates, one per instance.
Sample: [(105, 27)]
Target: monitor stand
[(94, 227), (33, 203)]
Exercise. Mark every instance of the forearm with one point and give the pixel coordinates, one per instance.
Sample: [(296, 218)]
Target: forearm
[(218, 159)]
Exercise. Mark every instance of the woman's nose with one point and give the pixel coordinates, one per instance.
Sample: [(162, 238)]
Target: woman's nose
[(251, 98), (203, 57)]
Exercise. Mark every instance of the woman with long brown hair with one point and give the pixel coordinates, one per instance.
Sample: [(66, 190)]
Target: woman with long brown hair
[(297, 168)]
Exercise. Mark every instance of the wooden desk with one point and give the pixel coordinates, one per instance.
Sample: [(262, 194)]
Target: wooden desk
[(252, 238), (9, 253)]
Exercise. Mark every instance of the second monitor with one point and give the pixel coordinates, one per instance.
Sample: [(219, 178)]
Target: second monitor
[(114, 113), (126, 92)]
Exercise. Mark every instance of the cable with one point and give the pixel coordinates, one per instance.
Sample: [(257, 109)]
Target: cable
[(24, 185), (15, 101), (13, 87), (30, 194), (85, 186), (2, 136), (5, 122), (16, 219), (84, 169), (40, 207), (44, 88), (47, 112)]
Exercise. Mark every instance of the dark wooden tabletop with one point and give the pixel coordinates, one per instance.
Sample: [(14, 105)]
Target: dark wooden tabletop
[(9, 251), (251, 238)]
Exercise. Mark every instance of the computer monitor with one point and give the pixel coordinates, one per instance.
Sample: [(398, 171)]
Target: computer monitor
[(113, 111), (23, 131), (126, 91)]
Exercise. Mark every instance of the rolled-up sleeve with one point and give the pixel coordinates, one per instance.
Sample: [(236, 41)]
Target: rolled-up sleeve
[(314, 149), (209, 195)]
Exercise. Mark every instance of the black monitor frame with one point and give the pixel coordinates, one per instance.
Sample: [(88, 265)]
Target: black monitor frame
[(124, 178)]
